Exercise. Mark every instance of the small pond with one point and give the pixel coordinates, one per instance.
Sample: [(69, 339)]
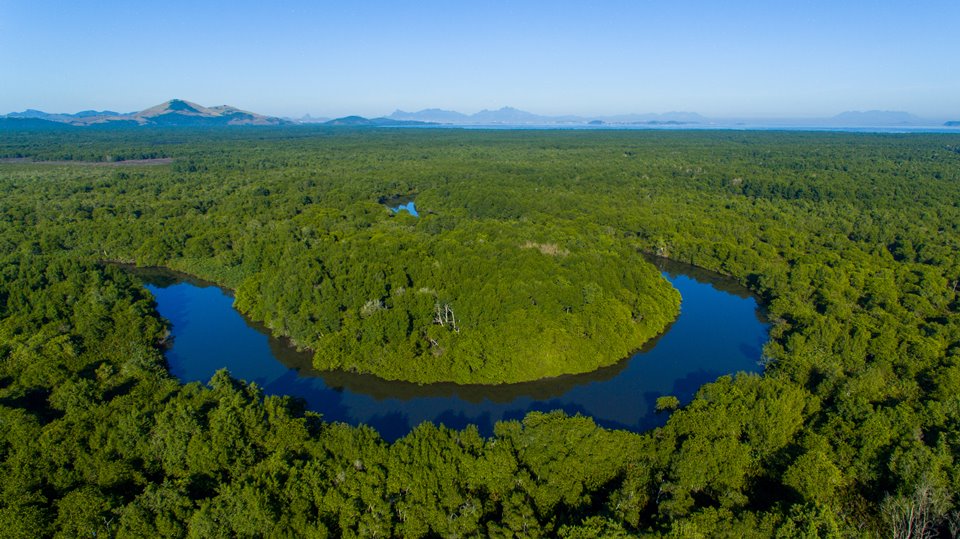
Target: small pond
[(401, 203), (409, 207), (719, 331)]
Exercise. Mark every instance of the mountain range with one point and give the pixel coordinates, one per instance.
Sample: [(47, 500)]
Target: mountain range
[(512, 116), (360, 121), (175, 112), (178, 112)]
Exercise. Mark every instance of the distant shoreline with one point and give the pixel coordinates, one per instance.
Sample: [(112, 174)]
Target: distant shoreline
[(687, 127)]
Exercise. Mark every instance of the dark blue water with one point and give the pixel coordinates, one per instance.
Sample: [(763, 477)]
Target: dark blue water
[(719, 331)]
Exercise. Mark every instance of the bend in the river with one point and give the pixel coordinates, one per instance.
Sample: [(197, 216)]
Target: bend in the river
[(719, 331)]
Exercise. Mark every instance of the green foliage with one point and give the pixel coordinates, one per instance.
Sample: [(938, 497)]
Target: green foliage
[(814, 476), (667, 403), (532, 240)]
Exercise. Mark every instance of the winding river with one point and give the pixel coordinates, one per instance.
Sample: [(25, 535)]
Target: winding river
[(720, 331)]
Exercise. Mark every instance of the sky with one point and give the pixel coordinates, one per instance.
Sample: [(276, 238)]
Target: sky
[(759, 59)]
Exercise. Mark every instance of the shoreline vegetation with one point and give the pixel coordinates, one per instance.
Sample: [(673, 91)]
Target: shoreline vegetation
[(208, 334), (160, 274), (851, 241), (467, 305), (567, 366)]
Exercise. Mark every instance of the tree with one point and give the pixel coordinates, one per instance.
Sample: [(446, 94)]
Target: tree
[(918, 514)]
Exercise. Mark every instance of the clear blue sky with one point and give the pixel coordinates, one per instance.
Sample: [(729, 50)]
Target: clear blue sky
[(750, 58)]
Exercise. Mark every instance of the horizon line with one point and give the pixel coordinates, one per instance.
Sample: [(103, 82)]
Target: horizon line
[(586, 116)]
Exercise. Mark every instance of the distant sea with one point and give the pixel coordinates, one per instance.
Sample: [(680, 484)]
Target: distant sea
[(700, 127)]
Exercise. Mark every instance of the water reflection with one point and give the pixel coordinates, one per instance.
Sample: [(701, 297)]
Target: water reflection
[(719, 331), (401, 203), (409, 207)]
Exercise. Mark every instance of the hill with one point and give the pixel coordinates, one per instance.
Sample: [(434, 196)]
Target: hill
[(507, 115), (360, 121), (30, 124), (176, 112), (431, 115), (513, 116)]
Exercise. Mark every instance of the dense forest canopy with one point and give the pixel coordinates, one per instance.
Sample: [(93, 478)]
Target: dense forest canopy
[(482, 293), (533, 240)]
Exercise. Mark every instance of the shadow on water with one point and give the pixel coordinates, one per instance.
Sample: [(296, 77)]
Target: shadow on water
[(672, 269), (719, 331)]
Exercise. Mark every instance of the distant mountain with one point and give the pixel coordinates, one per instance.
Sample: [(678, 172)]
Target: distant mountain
[(52, 117), (33, 113), (178, 112), (30, 124), (667, 118), (350, 121), (512, 116), (92, 113), (431, 115), (175, 112), (876, 118), (307, 119), (502, 116), (507, 115), (64, 117), (360, 121)]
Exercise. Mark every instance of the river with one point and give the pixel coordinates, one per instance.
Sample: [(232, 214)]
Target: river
[(719, 331)]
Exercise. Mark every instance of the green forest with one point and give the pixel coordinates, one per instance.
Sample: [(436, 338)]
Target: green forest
[(527, 261)]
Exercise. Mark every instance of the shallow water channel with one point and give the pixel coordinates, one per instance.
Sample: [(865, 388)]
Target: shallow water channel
[(720, 331)]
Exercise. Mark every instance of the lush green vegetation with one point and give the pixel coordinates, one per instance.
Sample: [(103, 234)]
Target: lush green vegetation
[(852, 241), (483, 294)]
